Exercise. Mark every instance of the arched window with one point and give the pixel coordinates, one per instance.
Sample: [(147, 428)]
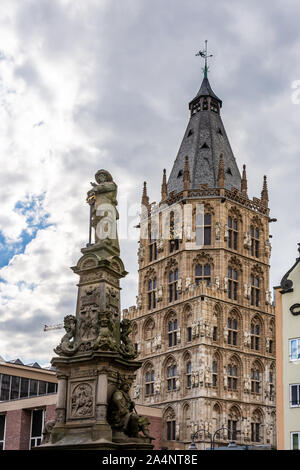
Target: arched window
[(149, 381), (232, 290), (255, 290), (187, 422), (232, 233), (171, 375), (232, 423), (232, 376), (256, 421), (215, 373), (255, 379), (173, 279), (172, 332), (255, 334), (188, 374), (152, 248), (170, 420), (203, 274), (151, 294), (254, 234), (203, 229), (232, 325)]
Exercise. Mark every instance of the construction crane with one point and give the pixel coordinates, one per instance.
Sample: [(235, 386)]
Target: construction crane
[(58, 326)]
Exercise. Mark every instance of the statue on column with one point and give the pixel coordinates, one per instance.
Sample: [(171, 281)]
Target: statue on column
[(104, 214)]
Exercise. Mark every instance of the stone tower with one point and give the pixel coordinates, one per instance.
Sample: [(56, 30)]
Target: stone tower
[(204, 321)]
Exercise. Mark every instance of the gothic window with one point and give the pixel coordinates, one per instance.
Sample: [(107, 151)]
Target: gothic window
[(255, 334), (232, 326), (256, 426), (151, 293), (172, 332), (203, 273), (189, 334), (255, 290), (149, 381), (254, 234), (170, 421), (152, 249), (255, 379), (173, 279), (232, 233), (232, 376), (214, 373), (232, 290), (215, 333), (171, 376), (203, 229), (187, 422), (188, 374), (232, 423)]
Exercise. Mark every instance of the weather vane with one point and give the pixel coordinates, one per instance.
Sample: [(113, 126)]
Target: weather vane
[(205, 57)]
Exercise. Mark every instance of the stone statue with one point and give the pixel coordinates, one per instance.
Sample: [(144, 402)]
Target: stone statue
[(247, 240), (179, 285), (49, 425), (247, 339), (246, 291), (157, 387), (217, 282), (160, 294), (225, 283), (268, 248), (218, 230), (67, 345), (103, 198), (136, 391), (126, 348), (106, 339), (122, 416), (139, 301), (187, 282), (226, 232)]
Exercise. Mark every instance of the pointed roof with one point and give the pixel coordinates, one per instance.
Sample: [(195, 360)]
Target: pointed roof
[(206, 90), (204, 140)]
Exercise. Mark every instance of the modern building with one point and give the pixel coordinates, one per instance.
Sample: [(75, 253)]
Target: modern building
[(28, 396), (204, 323), (288, 359), (27, 401)]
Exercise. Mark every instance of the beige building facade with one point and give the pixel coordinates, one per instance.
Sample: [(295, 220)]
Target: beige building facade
[(204, 324), (288, 359)]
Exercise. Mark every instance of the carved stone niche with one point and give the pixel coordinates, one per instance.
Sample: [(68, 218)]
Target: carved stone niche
[(82, 400)]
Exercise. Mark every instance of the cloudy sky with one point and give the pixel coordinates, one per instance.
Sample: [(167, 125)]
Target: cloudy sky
[(89, 84)]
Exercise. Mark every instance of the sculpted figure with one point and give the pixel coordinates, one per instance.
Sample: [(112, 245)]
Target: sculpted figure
[(106, 340), (103, 199), (49, 425), (126, 347), (67, 345), (218, 229), (122, 416)]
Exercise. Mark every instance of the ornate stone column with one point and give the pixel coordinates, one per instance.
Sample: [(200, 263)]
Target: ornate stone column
[(61, 402)]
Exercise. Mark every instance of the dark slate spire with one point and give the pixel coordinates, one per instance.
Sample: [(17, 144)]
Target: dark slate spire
[(204, 140)]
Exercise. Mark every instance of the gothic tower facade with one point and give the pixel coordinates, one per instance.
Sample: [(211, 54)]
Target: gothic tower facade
[(204, 323)]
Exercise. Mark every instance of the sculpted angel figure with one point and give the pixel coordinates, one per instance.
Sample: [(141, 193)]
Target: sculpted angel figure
[(67, 344)]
